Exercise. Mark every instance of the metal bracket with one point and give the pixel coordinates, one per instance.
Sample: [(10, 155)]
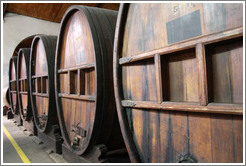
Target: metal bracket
[(79, 130), (187, 159), (43, 117), (92, 98), (125, 60), (127, 103)]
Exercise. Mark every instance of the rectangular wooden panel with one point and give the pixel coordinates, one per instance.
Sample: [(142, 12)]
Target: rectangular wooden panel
[(44, 85), (179, 76), (89, 82), (224, 69), (39, 104), (13, 86), (73, 82), (141, 79), (24, 101), (38, 84), (64, 79), (81, 82)]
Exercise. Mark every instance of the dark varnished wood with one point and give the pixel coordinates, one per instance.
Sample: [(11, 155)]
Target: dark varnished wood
[(200, 115), (42, 82), (83, 80)]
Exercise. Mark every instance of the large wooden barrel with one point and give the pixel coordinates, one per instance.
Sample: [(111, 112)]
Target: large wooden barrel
[(12, 85), (23, 84), (178, 78), (83, 80), (24, 43), (6, 99), (41, 74)]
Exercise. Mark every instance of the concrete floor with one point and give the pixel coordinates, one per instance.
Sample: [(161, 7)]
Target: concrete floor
[(33, 148)]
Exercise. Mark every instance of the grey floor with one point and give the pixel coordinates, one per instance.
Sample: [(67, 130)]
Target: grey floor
[(33, 148)]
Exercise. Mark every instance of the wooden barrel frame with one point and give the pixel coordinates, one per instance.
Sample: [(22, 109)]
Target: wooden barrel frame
[(203, 106), (23, 84), (12, 85), (101, 98), (25, 43), (49, 43)]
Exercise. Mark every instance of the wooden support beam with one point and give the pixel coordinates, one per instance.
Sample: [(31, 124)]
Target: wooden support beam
[(230, 34), (78, 97), (40, 94), (86, 66), (202, 74), (158, 78), (220, 108)]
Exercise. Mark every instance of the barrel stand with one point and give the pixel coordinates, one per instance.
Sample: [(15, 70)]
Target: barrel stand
[(9, 114), (98, 154), (30, 126), (52, 139), (18, 119)]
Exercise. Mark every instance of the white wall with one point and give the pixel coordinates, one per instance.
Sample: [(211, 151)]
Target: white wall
[(15, 29)]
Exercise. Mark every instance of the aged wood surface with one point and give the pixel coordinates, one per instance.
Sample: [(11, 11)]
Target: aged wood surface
[(42, 82), (23, 84), (12, 85), (84, 83), (190, 55)]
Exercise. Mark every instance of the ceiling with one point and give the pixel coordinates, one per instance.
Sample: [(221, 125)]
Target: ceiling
[(50, 11)]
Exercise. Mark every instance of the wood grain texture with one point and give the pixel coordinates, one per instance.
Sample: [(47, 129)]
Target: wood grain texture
[(199, 81), (202, 75), (224, 71), (84, 83), (40, 69), (13, 85), (42, 82), (23, 84), (77, 50)]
